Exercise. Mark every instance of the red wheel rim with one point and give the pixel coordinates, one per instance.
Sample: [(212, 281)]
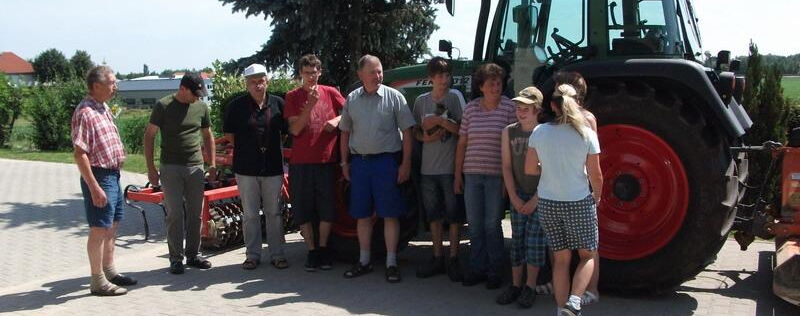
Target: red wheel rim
[(645, 192)]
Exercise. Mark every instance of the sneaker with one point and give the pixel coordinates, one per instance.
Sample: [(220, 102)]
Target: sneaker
[(198, 262), (325, 258), (493, 283), (312, 261), (472, 279), (569, 311), (454, 270), (509, 295), (176, 267), (526, 297), (393, 274), (431, 268)]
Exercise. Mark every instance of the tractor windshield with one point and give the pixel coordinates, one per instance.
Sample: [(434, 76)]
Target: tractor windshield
[(643, 27), (528, 33)]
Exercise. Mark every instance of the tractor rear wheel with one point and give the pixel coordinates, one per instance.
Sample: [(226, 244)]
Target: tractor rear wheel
[(661, 219), (344, 238)]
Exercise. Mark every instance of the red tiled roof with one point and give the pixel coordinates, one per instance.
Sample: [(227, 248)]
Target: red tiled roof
[(10, 63)]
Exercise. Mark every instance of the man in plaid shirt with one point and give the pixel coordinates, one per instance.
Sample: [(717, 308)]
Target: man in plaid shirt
[(99, 155)]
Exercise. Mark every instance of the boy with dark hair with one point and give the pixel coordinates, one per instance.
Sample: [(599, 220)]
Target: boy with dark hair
[(439, 114), (313, 112)]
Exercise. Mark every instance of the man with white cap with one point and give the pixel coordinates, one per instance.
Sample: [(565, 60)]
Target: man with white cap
[(182, 118), (254, 124)]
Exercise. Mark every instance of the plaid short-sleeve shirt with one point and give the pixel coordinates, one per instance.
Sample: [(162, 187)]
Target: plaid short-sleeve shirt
[(93, 130)]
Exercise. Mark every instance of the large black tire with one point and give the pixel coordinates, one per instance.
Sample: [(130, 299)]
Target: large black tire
[(687, 126), (347, 249)]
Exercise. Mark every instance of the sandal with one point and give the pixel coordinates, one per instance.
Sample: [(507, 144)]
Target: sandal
[(589, 298), (357, 270), (280, 263), (110, 290), (545, 289), (250, 264)]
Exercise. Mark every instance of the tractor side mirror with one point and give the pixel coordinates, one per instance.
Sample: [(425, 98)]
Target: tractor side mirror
[(735, 65), (723, 58), (447, 47), (450, 5)]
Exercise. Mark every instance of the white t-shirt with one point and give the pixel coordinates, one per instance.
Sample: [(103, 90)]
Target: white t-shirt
[(562, 153)]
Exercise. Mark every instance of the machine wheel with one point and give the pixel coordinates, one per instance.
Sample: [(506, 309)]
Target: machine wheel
[(344, 238), (664, 163)]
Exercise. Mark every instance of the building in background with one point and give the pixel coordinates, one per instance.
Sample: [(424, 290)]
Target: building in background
[(143, 92), (18, 70)]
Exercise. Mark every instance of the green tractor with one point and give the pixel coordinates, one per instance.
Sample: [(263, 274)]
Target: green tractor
[(666, 122)]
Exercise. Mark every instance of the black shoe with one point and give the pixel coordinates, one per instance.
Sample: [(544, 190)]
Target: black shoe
[(393, 274), (526, 297), (198, 262), (433, 267), (569, 311), (472, 279), (493, 283), (176, 267), (325, 258), (509, 295), (312, 261), (358, 270), (454, 270), (123, 280)]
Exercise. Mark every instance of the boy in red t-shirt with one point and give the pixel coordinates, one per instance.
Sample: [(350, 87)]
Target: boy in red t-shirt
[(313, 112)]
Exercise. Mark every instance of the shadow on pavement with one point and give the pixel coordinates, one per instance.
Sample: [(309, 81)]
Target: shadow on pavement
[(57, 292), (69, 215), (755, 285)]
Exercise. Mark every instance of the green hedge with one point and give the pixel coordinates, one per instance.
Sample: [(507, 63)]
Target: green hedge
[(50, 110)]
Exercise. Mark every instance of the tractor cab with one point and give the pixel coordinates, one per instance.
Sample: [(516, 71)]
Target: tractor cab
[(526, 34)]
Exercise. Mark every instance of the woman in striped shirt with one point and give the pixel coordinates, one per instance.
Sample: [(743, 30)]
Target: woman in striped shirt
[(478, 158)]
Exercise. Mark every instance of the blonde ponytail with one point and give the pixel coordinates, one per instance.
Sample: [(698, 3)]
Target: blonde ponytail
[(564, 98)]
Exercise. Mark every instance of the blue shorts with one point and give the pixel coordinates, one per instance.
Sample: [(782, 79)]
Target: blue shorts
[(373, 179), (104, 217)]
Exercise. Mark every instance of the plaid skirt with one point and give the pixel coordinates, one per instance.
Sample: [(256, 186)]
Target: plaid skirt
[(569, 224)]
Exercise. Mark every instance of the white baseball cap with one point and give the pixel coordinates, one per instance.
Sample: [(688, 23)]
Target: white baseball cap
[(255, 69)]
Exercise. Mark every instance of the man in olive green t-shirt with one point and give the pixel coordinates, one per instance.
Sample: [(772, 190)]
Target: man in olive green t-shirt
[(182, 118)]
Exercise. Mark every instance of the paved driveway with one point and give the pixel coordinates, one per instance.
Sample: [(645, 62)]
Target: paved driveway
[(44, 268)]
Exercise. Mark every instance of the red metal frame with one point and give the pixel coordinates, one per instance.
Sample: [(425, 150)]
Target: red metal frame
[(639, 227)]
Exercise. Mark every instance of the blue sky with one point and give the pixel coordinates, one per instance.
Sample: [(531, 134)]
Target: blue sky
[(192, 33)]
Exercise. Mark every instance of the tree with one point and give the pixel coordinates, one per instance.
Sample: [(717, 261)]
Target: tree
[(339, 32), (51, 65), (81, 63), (769, 110)]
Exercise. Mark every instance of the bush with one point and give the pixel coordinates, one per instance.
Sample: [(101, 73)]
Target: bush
[(131, 132), (11, 98), (50, 110)]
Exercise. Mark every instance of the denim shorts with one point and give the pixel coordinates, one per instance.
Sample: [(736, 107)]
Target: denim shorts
[(373, 187), (439, 199), (113, 211)]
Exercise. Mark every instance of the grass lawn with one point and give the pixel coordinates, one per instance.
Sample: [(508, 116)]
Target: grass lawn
[(791, 88), (20, 147), (133, 162)]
